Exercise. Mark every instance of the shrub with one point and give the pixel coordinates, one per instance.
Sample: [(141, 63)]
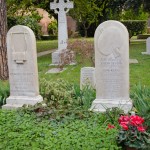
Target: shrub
[(135, 27), (4, 92), (27, 20), (57, 93), (85, 49), (48, 37), (61, 94), (53, 28), (32, 23), (143, 36)]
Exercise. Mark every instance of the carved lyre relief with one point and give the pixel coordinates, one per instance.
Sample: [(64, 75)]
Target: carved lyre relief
[(19, 49)]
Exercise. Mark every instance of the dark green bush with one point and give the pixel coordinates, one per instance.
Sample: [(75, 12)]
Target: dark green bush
[(135, 27), (4, 92), (28, 20), (48, 37), (143, 36)]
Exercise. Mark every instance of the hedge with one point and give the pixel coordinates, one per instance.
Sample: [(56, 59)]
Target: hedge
[(135, 27)]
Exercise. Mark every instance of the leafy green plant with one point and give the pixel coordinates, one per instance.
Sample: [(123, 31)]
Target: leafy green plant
[(112, 114), (141, 101), (23, 130), (85, 96), (53, 28), (57, 93), (4, 92), (61, 94)]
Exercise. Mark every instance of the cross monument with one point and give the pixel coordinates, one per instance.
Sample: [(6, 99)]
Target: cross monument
[(61, 7)]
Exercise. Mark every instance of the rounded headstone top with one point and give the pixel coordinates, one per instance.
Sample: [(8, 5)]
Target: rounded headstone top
[(21, 29)]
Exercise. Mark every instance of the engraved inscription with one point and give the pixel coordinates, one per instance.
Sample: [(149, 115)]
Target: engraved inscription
[(23, 84)]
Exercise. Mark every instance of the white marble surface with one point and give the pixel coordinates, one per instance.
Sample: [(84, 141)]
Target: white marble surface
[(87, 77), (22, 64), (147, 47), (111, 67)]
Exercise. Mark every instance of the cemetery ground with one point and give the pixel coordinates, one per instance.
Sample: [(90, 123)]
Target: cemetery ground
[(62, 121)]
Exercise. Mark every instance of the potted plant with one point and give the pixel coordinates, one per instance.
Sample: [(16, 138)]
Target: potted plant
[(133, 135)]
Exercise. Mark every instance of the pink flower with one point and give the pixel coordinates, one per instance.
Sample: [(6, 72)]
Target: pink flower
[(141, 129), (124, 126), (136, 120), (124, 119)]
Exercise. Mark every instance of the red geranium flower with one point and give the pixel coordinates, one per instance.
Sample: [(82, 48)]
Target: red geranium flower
[(124, 126), (136, 120), (124, 119), (141, 129)]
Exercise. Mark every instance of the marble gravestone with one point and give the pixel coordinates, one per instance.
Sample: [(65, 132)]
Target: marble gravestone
[(87, 77), (147, 47), (61, 8), (22, 64), (111, 42)]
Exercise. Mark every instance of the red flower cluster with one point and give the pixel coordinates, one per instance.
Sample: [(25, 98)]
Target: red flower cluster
[(132, 121), (110, 126)]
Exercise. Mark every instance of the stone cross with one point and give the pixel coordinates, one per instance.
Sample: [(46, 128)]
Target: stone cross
[(61, 8)]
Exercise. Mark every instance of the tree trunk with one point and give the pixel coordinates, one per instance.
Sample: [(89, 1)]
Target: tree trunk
[(85, 32), (3, 48)]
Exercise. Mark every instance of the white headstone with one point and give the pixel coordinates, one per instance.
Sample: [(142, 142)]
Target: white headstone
[(22, 64), (61, 7), (111, 67), (147, 47), (87, 77)]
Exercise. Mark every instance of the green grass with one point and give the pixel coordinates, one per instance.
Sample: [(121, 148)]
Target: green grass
[(139, 73), (52, 44), (46, 45)]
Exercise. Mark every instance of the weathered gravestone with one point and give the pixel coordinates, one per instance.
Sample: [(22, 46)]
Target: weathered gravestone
[(61, 7), (87, 77), (147, 47), (111, 67), (23, 71)]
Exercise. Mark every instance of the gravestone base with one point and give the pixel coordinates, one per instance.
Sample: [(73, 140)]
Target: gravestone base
[(63, 57), (18, 101), (145, 53), (100, 105)]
